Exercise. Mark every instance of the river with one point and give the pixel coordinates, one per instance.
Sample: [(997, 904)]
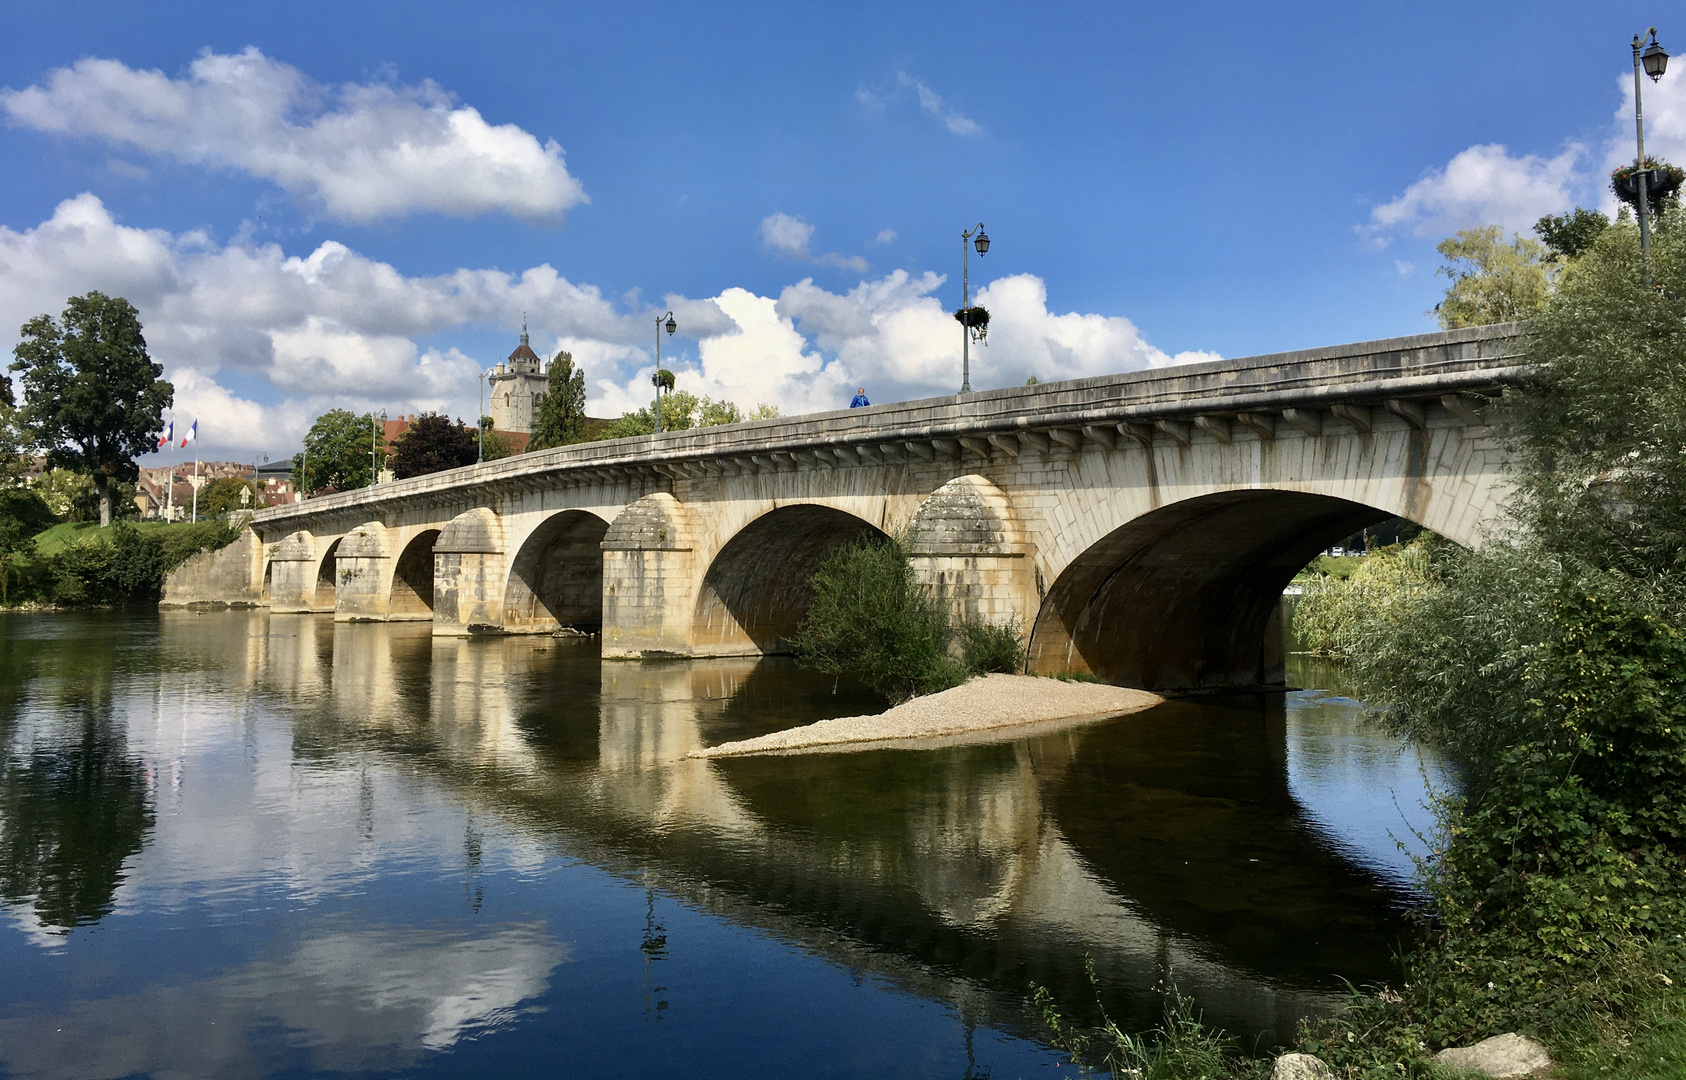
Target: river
[(239, 845)]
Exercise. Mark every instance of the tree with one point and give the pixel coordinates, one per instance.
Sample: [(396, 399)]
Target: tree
[(561, 417), (94, 399), (1570, 235), (682, 410), (493, 446), (222, 495), (432, 444), (1492, 281), (337, 451)]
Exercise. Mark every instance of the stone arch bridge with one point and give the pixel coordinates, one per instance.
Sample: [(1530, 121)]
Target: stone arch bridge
[(1140, 527)]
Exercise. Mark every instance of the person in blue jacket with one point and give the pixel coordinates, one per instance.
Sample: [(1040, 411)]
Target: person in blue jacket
[(860, 400)]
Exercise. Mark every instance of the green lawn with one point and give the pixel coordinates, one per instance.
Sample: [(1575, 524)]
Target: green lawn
[(1335, 566), (67, 533)]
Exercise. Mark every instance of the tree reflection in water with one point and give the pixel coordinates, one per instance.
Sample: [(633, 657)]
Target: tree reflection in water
[(73, 801)]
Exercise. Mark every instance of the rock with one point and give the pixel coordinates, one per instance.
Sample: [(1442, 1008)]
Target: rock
[(1300, 1067), (1504, 1055)]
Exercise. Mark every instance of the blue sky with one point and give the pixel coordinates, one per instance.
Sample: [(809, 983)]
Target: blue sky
[(352, 204)]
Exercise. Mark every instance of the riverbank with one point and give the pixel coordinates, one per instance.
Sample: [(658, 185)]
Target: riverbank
[(983, 709)]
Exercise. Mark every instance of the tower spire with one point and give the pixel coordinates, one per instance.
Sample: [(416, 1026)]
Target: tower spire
[(524, 329)]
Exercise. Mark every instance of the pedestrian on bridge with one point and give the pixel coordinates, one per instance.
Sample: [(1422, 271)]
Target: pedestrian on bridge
[(860, 401)]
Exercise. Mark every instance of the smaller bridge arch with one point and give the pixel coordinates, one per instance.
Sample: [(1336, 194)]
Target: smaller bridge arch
[(756, 590), (412, 578), (556, 578)]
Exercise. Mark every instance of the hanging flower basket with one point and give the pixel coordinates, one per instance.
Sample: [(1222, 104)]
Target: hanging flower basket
[(663, 379), (975, 319), (1661, 181)]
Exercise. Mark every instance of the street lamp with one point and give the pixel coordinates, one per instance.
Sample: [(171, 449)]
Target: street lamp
[(480, 421), (1654, 61), (657, 377), (982, 244)]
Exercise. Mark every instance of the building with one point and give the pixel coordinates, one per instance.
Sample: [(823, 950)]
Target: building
[(515, 388)]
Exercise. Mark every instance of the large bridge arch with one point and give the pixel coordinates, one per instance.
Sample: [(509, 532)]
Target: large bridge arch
[(1182, 597), (756, 589), (556, 577)]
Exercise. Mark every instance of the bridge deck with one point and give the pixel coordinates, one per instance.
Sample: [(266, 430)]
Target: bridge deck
[(1476, 360)]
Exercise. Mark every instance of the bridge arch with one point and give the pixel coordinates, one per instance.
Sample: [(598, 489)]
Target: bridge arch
[(556, 577), (412, 578), (756, 589), (1182, 597), (323, 599)]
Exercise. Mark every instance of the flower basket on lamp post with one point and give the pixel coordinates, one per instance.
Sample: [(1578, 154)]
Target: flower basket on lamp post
[(1661, 181), (976, 320)]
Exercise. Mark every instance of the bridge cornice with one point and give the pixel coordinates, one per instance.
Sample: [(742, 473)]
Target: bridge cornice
[(1395, 372)]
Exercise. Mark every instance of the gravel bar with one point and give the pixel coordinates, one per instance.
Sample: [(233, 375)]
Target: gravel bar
[(994, 705)]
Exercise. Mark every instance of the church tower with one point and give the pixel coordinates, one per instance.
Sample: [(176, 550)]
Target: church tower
[(516, 385)]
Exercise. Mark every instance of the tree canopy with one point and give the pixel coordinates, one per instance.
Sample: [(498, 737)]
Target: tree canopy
[(1492, 281), (222, 496), (561, 415), (336, 452), (432, 444), (682, 410), (94, 399)]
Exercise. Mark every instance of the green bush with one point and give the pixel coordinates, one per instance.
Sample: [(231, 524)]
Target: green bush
[(986, 647), (871, 617)]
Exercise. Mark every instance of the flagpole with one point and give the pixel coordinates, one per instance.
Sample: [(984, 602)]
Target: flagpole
[(170, 497), (196, 488)]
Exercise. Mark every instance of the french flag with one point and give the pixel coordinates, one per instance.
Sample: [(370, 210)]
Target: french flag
[(169, 435), (192, 432)]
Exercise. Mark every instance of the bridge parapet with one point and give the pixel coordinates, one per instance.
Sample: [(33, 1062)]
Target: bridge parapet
[(1350, 384)]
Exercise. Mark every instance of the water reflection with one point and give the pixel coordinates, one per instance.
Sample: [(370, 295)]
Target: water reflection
[(1232, 848), (74, 803)]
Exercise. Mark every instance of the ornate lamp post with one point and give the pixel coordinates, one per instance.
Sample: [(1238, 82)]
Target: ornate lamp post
[(657, 377), (982, 244), (1654, 61)]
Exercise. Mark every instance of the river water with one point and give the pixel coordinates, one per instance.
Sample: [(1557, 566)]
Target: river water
[(235, 844)]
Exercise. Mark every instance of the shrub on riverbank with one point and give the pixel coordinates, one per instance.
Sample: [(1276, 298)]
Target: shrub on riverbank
[(870, 616), (78, 564), (1551, 664)]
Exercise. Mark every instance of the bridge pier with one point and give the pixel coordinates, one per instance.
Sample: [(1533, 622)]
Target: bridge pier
[(649, 580), (966, 543), (292, 577), (468, 575), (363, 575)]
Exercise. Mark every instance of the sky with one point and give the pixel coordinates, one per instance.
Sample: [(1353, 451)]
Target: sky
[(354, 205)]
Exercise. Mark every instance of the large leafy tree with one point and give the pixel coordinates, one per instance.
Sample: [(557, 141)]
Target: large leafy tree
[(93, 398), (432, 444), (1492, 281), (561, 418), (337, 452)]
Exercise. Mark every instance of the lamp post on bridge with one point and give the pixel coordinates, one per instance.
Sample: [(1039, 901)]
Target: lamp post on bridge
[(982, 244), (657, 379), (1654, 61)]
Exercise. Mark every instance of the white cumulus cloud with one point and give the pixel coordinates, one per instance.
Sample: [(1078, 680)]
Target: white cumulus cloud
[(789, 236), (258, 342), (1483, 185), (358, 152)]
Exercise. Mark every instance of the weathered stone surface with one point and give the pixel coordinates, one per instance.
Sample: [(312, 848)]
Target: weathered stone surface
[(228, 576), (1300, 1067), (1504, 1055)]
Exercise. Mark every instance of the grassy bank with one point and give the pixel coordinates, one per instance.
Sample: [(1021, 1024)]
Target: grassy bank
[(80, 564)]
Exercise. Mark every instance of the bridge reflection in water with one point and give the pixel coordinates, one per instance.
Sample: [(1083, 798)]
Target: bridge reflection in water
[(1168, 846)]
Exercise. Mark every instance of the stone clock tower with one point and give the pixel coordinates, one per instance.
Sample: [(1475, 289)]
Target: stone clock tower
[(516, 385)]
